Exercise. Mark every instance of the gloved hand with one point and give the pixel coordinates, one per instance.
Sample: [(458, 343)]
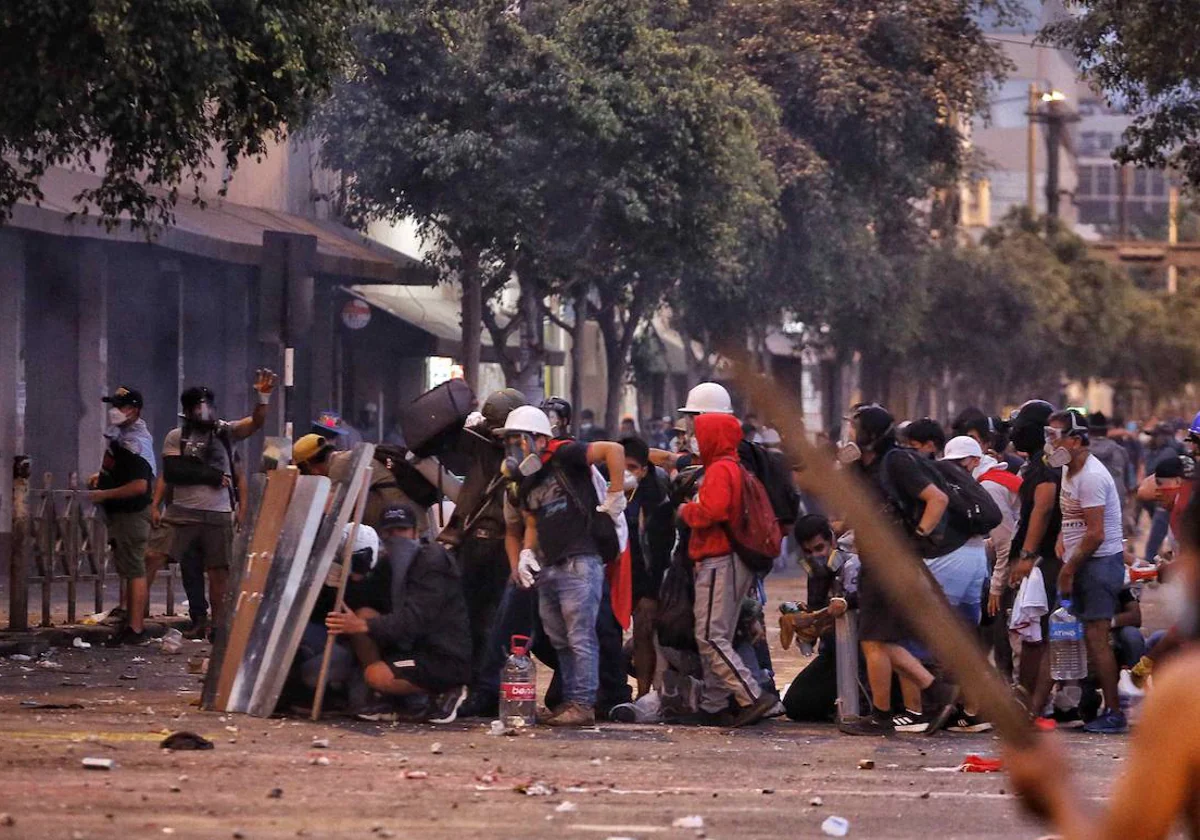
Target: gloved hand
[(613, 504), (474, 420), (527, 568)]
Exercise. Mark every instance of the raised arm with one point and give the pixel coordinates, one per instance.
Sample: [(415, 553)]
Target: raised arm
[(264, 386)]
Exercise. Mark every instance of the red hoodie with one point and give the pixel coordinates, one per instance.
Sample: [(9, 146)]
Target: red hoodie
[(720, 492)]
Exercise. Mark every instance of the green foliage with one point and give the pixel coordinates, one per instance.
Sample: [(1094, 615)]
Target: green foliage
[(144, 89), (1141, 54)]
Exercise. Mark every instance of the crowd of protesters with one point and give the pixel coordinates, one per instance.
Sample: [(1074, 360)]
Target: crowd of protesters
[(639, 557)]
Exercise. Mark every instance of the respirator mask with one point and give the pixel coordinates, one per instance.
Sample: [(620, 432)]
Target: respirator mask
[(117, 417), (203, 415), (848, 450), (1057, 456), (521, 458)]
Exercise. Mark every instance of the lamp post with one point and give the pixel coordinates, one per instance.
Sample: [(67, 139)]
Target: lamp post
[(1054, 118)]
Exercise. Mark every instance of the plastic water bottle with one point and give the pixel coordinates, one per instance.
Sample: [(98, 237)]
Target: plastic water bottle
[(518, 686), (1068, 653)]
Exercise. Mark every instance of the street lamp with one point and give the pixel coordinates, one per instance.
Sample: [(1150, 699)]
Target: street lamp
[(1054, 119)]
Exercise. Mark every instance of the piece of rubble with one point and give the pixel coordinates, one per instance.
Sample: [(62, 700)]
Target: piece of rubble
[(415, 774), (835, 826), (320, 760), (866, 764), (320, 743), (99, 763), (566, 808), (8, 820), (436, 748), (275, 793), (692, 821), (816, 802), (78, 642)]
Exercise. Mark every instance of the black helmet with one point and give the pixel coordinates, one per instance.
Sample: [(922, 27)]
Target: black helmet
[(195, 395), (557, 407), (498, 405), (874, 424), (1028, 425)]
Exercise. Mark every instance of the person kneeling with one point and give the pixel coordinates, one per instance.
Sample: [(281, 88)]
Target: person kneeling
[(413, 639)]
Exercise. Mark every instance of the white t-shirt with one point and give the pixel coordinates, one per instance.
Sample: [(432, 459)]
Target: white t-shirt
[(1091, 487)]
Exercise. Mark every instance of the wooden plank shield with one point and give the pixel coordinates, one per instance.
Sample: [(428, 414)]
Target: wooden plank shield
[(259, 554), (306, 580)]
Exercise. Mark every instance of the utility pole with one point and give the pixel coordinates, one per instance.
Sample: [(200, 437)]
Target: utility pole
[(1123, 202), (1054, 130), (1172, 235), (1031, 151)]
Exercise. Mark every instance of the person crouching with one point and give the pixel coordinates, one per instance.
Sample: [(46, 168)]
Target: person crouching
[(413, 639)]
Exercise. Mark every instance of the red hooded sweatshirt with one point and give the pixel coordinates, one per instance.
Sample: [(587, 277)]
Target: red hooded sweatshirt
[(720, 492)]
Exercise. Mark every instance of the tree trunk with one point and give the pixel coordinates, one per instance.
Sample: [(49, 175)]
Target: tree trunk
[(472, 320), (577, 348), (616, 362), (531, 355)]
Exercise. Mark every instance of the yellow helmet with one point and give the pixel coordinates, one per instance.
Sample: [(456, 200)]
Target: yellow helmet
[(309, 447)]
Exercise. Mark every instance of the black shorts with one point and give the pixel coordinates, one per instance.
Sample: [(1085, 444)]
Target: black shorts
[(878, 618), (424, 672)]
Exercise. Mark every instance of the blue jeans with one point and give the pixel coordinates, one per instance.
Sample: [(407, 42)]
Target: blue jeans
[(568, 602), (961, 574)]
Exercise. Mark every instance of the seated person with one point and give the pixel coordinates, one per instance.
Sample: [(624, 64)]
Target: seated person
[(412, 638), (1127, 640), (832, 575), (340, 680)]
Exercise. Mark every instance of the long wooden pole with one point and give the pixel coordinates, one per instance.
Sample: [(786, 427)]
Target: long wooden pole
[(347, 550), (890, 557)]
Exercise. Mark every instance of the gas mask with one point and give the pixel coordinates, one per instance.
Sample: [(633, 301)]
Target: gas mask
[(521, 458), (848, 450), (1057, 457), (117, 417), (203, 415), (557, 425)]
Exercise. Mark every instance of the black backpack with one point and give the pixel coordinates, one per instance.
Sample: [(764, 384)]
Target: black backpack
[(600, 525), (775, 473), (674, 618), (971, 509)]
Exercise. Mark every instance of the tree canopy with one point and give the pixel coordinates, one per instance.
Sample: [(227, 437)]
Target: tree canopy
[(145, 89)]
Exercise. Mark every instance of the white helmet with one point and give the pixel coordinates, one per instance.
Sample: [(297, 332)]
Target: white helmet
[(708, 398), (528, 419), (364, 537)]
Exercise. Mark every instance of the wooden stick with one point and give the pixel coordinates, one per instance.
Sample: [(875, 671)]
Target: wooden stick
[(890, 557), (347, 550)]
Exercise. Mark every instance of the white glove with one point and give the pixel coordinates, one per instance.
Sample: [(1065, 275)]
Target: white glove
[(527, 568), (473, 419), (613, 504)]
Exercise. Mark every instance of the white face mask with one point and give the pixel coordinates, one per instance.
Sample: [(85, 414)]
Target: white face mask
[(116, 417), (693, 445), (1057, 457), (848, 452)]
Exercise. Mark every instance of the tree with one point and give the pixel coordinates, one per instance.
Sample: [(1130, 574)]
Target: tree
[(1139, 53), (144, 90), (872, 98)]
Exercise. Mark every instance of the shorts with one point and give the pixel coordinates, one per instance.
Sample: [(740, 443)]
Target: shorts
[(162, 536), (1097, 585), (128, 533), (961, 573), (879, 620), (425, 673), (211, 532)]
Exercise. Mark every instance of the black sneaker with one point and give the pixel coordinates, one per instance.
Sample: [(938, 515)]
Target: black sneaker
[(379, 711), (941, 704), (1068, 718), (479, 706), (756, 711), (878, 723), (964, 722), (199, 630), (444, 707), (723, 719), (910, 723), (126, 636)]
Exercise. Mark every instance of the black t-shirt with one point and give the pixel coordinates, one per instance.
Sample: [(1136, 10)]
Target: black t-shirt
[(1035, 473), (119, 467), (902, 475), (562, 530), (649, 562)]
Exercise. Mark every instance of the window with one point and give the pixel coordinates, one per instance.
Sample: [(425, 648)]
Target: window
[(1085, 181), (1104, 181), (1087, 143), (1139, 182), (1095, 212), (1158, 183), (1106, 140)]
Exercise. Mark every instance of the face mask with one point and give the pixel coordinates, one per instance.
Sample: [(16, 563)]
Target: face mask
[(848, 452), (203, 415), (693, 445), (675, 444), (557, 425), (116, 417), (521, 459), (1057, 457), (1145, 439)]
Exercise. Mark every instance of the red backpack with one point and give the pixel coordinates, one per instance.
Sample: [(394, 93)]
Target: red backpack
[(755, 533)]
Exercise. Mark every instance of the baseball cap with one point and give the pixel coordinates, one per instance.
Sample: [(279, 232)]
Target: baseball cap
[(329, 422), (962, 447), (309, 447), (399, 516), (124, 397)]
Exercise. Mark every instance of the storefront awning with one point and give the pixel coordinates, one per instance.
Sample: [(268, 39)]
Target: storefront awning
[(436, 311), (222, 230)]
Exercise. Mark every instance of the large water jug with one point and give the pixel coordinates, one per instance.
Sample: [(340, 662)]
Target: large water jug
[(1068, 652)]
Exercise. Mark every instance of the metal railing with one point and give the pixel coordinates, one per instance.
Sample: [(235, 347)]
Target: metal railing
[(61, 540)]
